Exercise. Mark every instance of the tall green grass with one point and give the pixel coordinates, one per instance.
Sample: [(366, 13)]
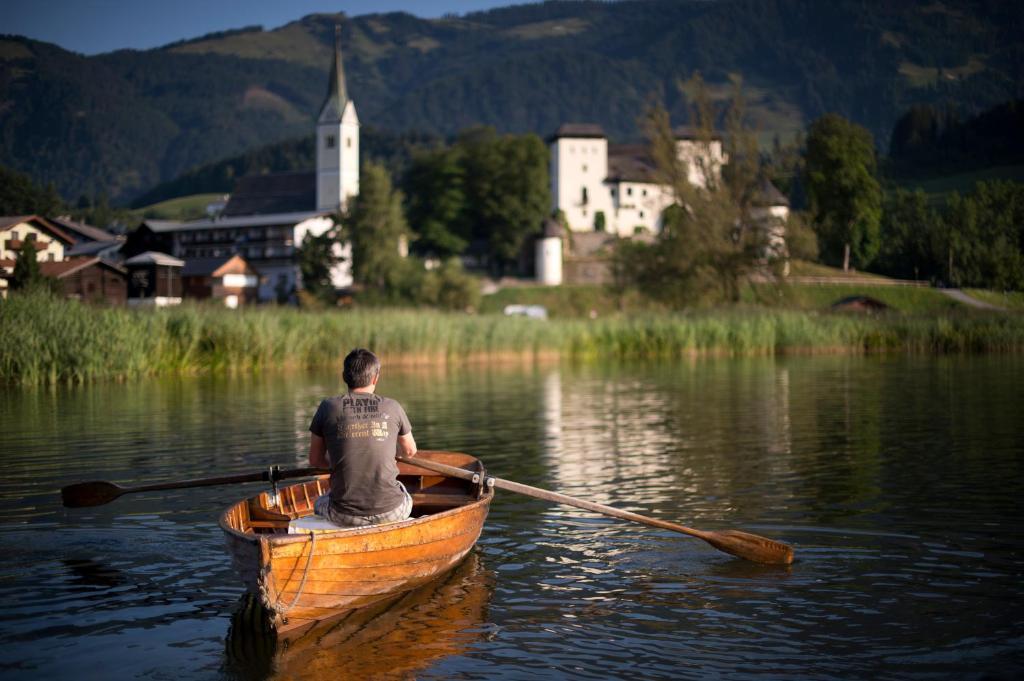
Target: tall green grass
[(53, 341)]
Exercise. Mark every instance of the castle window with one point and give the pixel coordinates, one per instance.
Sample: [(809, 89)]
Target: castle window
[(584, 167), (584, 200), (348, 142), (629, 191), (644, 192), (641, 213), (329, 141)]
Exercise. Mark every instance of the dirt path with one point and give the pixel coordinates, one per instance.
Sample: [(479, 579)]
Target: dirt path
[(960, 296)]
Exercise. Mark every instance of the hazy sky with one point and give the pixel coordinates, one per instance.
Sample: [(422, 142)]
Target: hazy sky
[(93, 26)]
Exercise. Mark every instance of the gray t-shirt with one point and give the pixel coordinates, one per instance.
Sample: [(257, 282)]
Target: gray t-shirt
[(361, 431)]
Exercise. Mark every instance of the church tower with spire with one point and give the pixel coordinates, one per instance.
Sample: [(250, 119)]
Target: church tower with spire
[(337, 141)]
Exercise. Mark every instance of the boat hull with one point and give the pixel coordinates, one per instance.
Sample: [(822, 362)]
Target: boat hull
[(302, 579)]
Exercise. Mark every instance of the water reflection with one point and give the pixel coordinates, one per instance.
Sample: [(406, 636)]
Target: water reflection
[(897, 479), (395, 639)]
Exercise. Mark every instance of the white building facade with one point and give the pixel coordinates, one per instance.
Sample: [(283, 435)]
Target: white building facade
[(613, 188)]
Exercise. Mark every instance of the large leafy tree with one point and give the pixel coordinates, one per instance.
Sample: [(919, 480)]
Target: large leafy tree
[(317, 256), (708, 243), (437, 201), (845, 197), (376, 228), (507, 194), (909, 230)]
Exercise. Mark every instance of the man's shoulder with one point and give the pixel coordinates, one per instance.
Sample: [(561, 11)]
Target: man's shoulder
[(389, 403)]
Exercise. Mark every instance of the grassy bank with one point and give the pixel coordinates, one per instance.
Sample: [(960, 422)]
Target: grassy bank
[(53, 341)]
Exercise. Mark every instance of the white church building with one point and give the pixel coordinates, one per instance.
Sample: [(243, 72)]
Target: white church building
[(267, 216)]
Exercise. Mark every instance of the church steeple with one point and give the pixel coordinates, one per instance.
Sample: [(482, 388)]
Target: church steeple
[(337, 146), (337, 92)]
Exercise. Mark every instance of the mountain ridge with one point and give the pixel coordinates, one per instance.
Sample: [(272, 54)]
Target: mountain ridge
[(124, 121)]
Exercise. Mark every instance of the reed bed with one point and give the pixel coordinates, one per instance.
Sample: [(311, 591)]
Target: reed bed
[(46, 340)]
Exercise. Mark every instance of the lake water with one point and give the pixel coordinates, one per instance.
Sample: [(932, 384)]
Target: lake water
[(898, 480)]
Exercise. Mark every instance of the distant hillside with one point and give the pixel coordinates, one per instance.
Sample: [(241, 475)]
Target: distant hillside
[(125, 121)]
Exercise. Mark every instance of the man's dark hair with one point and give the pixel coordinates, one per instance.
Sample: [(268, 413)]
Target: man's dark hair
[(361, 367)]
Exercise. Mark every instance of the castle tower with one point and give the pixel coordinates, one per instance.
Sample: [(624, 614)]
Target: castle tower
[(337, 141)]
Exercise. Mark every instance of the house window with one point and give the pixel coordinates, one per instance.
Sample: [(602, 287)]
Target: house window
[(644, 193), (613, 192), (584, 200), (50, 257), (641, 213), (329, 141), (31, 236)]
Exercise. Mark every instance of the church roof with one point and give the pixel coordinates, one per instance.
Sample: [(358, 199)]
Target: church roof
[(278, 193), (337, 92)]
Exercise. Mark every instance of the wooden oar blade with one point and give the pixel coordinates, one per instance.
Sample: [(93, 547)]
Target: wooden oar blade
[(750, 547), (94, 493)]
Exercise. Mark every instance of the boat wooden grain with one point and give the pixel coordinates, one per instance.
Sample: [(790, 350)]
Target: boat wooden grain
[(302, 579)]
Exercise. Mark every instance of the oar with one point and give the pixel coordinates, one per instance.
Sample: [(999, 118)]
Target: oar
[(99, 492), (740, 544)]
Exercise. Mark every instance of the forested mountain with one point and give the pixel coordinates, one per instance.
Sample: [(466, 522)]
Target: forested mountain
[(123, 122)]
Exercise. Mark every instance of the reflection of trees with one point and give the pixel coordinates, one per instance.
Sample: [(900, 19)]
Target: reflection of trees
[(840, 412)]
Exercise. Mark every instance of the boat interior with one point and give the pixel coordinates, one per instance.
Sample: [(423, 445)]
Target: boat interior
[(431, 493)]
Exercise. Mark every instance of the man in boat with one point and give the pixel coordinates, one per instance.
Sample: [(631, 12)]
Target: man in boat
[(357, 435)]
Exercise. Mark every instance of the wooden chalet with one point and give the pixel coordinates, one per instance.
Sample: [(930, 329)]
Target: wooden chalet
[(154, 279), (89, 279)]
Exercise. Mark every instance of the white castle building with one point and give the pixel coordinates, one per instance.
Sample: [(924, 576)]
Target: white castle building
[(591, 178), (613, 189), (267, 216)]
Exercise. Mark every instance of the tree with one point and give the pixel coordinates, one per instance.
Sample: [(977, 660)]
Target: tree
[(27, 276), (845, 198), (317, 256), (376, 228), (507, 194), (908, 232), (20, 196), (708, 243), (437, 202)]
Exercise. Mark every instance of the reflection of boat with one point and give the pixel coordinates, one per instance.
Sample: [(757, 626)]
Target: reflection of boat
[(300, 579), (392, 638)]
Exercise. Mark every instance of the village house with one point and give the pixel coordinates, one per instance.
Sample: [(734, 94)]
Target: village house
[(227, 278), (89, 279), (267, 217), (49, 241), (154, 279)]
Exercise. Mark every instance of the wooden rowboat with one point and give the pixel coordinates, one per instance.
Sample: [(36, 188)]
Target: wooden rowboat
[(301, 579)]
